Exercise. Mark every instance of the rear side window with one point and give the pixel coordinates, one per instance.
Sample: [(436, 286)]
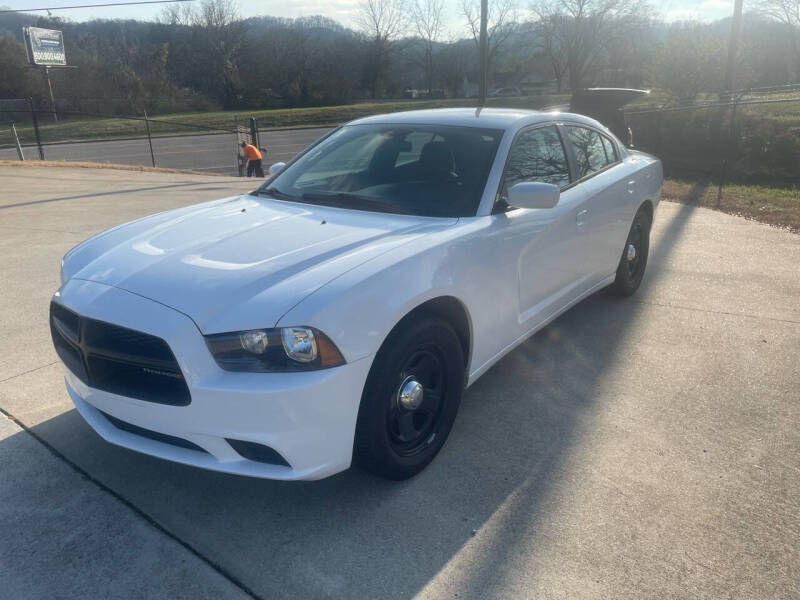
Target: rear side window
[(590, 151), (537, 155), (611, 151)]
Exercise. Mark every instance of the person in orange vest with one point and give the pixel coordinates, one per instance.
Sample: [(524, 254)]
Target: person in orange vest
[(253, 160)]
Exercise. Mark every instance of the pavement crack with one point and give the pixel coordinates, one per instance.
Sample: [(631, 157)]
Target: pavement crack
[(12, 228), (697, 562), (718, 312), (28, 371), (219, 569)]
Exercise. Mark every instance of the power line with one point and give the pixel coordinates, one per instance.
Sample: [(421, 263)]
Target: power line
[(19, 10)]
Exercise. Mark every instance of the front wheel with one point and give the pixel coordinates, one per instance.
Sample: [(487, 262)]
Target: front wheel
[(410, 399), (633, 261)]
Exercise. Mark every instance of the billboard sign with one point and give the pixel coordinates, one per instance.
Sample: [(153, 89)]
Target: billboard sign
[(45, 46)]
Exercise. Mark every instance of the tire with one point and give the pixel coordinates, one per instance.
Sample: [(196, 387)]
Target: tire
[(396, 438), (630, 271)]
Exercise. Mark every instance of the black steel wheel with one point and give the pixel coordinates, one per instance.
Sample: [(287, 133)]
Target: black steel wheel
[(416, 407), (410, 399), (633, 261)]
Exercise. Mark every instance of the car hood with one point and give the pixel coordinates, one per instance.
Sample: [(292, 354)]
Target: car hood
[(243, 262)]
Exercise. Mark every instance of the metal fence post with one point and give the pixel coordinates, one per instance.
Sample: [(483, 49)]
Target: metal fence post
[(238, 132), (36, 129), (16, 141), (659, 128), (254, 133), (149, 139), (729, 151)]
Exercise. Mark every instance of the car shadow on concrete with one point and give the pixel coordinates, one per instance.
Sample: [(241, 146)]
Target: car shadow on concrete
[(353, 535)]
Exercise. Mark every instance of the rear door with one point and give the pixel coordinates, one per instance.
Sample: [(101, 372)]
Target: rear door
[(601, 174)]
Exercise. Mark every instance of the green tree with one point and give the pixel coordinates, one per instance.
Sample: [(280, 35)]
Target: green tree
[(14, 81)]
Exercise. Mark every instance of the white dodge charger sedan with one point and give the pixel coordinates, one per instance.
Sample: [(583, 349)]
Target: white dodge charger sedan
[(336, 313)]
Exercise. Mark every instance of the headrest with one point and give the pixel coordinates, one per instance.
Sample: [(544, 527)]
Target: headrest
[(436, 158)]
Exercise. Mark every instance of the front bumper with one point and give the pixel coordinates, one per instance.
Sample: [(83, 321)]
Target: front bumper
[(308, 417)]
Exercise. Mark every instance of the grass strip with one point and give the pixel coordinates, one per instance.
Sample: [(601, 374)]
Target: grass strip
[(775, 206)]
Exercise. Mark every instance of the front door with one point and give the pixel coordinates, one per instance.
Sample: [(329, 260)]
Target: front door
[(549, 243)]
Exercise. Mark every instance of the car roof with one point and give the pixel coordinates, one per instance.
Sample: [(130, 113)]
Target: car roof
[(491, 118)]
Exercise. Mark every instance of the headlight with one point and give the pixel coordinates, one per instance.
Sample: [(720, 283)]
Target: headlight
[(273, 350)]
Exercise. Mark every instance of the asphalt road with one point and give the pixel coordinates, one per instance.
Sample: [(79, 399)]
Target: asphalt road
[(638, 448), (214, 153)]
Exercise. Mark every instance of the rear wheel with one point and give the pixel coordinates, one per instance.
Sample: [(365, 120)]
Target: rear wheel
[(410, 399), (633, 261)]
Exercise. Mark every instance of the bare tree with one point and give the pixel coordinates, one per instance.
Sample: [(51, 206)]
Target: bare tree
[(501, 23), (552, 32), (690, 60), (219, 33), (788, 13), (589, 26), (383, 22), (177, 14), (426, 18), (217, 13)]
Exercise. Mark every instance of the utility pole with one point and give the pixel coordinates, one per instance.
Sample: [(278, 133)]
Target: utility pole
[(483, 54), (36, 128), (50, 89), (733, 47)]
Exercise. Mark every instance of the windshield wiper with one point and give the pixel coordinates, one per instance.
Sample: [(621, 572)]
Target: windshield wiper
[(276, 193), (344, 200)]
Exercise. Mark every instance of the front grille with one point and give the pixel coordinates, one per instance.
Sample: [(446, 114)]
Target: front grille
[(152, 435), (116, 359)]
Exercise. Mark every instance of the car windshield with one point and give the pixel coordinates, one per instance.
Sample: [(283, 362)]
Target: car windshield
[(437, 171)]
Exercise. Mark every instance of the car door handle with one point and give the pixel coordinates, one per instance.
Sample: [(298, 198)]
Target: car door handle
[(580, 218), (631, 186)]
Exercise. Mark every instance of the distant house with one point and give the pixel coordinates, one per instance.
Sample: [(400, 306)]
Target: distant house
[(528, 85), (415, 94), (469, 88), (620, 78), (533, 85)]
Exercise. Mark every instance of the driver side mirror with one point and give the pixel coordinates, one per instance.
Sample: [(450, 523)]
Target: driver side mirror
[(533, 194), (276, 168)]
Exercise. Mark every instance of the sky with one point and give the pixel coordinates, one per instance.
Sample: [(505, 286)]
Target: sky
[(341, 10)]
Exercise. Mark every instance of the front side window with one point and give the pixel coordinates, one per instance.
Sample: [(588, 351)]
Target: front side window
[(428, 170), (590, 152), (536, 155)]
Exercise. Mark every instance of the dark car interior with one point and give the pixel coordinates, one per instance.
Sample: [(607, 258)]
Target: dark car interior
[(417, 170)]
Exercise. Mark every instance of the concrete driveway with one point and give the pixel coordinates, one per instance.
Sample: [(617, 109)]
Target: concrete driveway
[(637, 448)]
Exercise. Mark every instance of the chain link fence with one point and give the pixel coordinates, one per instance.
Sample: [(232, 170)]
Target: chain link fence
[(748, 136), (745, 137), (31, 132)]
